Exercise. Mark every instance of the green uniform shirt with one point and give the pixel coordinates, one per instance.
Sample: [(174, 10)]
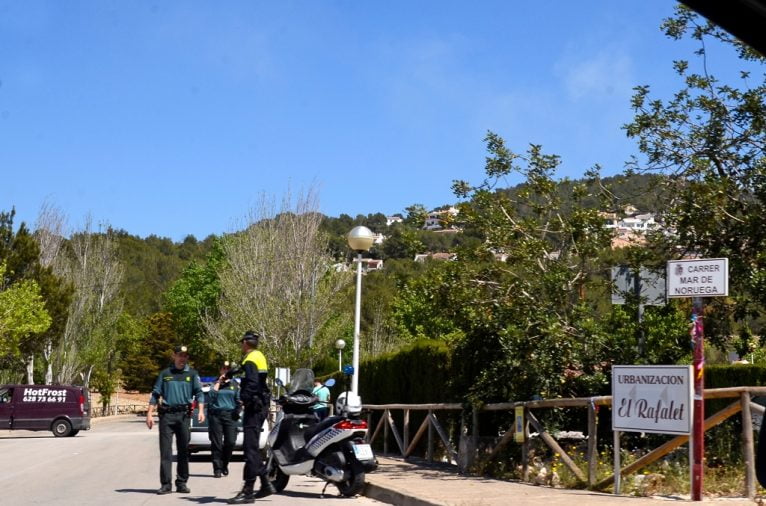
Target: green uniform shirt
[(226, 398), (177, 387)]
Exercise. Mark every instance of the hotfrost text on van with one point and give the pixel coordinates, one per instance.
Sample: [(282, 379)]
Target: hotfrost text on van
[(43, 395)]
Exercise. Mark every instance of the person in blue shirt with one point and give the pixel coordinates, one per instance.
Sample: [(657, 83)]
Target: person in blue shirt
[(322, 393), (223, 413), (172, 395)]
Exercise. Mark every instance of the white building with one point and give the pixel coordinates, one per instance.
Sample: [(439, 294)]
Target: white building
[(440, 219), (390, 220)]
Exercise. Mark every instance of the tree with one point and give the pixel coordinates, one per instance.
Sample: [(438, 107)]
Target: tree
[(91, 264), (709, 139), (49, 235), (525, 326), (194, 297), (22, 312), (403, 243), (278, 281), (141, 364), (21, 253), (416, 216), (110, 348)]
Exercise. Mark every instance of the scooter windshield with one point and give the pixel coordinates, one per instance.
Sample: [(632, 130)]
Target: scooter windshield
[(303, 379)]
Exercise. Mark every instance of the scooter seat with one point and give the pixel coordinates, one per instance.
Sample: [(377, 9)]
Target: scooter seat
[(319, 427)]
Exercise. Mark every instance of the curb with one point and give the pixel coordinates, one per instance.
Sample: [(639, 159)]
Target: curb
[(97, 421), (391, 496)]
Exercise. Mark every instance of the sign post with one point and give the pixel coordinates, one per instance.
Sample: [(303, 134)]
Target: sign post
[(645, 286), (696, 279)]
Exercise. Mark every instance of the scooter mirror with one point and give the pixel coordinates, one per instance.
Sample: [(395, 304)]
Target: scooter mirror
[(330, 382), (278, 382)]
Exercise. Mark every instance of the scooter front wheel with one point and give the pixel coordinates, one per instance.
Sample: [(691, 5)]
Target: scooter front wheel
[(355, 482)]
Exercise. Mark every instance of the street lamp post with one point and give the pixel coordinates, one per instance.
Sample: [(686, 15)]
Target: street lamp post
[(339, 345), (359, 239)]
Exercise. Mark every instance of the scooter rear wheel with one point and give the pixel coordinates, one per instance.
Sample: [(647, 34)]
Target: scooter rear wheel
[(355, 482)]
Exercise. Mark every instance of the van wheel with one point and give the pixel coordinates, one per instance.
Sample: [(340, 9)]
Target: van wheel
[(73, 433), (61, 428)]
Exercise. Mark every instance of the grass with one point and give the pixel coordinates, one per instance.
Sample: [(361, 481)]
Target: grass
[(668, 476)]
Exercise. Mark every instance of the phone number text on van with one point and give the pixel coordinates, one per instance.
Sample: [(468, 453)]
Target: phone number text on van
[(43, 395)]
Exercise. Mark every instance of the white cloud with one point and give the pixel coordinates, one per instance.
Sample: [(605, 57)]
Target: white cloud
[(608, 72)]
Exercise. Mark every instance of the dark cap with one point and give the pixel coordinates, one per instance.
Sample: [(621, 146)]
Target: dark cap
[(181, 349), (251, 337)]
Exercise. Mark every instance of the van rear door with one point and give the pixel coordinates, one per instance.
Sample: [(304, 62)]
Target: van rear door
[(6, 407)]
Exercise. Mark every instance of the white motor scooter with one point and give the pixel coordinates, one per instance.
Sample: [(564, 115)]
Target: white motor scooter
[(333, 449)]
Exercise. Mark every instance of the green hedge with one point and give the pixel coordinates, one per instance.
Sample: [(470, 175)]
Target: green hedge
[(738, 375), (418, 373), (423, 372)]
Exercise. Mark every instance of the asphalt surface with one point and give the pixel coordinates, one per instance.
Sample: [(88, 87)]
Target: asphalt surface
[(117, 462)]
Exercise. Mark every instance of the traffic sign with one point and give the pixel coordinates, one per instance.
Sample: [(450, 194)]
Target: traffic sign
[(702, 277), (649, 284)]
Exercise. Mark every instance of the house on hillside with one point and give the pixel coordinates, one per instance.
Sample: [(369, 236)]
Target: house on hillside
[(630, 230), (390, 220), (373, 264), (437, 220), (422, 257), (610, 219)]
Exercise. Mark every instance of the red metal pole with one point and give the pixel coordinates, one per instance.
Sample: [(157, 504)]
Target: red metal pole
[(699, 402)]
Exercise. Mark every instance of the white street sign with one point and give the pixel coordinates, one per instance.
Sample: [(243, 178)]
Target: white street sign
[(656, 398), (706, 277), (283, 373)]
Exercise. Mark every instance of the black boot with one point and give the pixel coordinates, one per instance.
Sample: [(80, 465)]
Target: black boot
[(266, 488), (245, 496)]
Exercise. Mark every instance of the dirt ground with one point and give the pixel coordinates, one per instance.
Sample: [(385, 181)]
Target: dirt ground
[(121, 398)]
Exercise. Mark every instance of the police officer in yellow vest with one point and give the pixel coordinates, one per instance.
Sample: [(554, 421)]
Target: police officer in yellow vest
[(255, 398)]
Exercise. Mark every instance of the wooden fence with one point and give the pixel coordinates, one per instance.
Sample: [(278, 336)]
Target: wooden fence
[(466, 452), (122, 409)]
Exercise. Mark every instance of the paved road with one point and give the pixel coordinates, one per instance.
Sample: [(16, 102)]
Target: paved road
[(118, 463)]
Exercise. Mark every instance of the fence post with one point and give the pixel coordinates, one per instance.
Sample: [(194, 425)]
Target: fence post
[(368, 436), (525, 448), (592, 444), (747, 442), (430, 437), (474, 434), (406, 428), (385, 432)]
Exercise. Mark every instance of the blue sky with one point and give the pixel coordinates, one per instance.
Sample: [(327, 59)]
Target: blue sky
[(171, 118)]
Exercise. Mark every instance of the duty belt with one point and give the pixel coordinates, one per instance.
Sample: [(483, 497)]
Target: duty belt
[(174, 409)]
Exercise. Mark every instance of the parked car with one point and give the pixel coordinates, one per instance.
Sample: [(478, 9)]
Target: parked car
[(61, 409), (199, 440)]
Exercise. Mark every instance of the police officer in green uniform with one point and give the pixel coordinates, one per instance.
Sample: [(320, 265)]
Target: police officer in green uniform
[(223, 414), (172, 394), (255, 398)]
